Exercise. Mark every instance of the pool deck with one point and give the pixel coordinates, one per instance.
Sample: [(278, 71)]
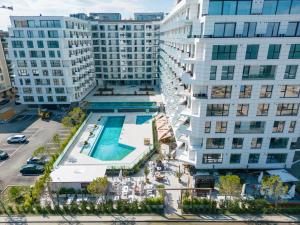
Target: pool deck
[(132, 134)]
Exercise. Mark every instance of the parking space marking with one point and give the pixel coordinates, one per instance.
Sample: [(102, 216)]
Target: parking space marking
[(20, 146)]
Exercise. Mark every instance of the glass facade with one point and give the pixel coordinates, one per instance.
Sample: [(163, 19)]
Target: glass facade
[(230, 7)]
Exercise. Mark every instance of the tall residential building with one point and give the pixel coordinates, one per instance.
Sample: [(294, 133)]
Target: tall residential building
[(230, 81), (52, 58), (149, 16), (5, 84), (125, 51)]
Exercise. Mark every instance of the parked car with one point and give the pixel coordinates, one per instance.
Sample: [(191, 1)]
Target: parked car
[(3, 155), (17, 139), (38, 160), (32, 169), (4, 101)]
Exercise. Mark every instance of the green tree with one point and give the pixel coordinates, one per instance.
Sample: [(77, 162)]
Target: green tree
[(178, 174), (56, 140), (230, 185), (273, 187), (98, 186), (77, 115), (146, 172), (67, 121)]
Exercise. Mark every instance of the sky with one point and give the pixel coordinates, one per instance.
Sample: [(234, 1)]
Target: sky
[(66, 7)]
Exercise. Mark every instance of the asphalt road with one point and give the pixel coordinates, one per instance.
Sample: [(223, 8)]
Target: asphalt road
[(38, 134)]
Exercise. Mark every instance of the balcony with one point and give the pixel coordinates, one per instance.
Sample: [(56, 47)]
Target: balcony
[(187, 77)]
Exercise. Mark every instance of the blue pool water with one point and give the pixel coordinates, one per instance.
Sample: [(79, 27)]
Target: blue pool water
[(107, 147), (142, 119)]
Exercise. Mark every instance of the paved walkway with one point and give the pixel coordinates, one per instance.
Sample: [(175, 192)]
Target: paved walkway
[(229, 219)]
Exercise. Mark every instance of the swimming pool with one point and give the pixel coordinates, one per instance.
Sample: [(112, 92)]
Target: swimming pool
[(142, 119), (107, 147)]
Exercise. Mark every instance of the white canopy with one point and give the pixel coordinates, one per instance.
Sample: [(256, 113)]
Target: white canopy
[(74, 174), (283, 174)]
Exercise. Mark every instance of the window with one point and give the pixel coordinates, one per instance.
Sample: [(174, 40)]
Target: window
[(213, 72), (207, 127), (212, 158), (252, 51), (215, 143), (221, 126), (274, 51), (41, 34), (244, 7), (256, 143), (40, 44), (30, 34), (269, 7), (249, 29), (294, 51), (245, 91), (279, 142), (237, 143), (30, 44), (253, 158), (292, 126), (215, 8), (53, 34), (295, 144), (224, 52), (242, 110), (272, 29), (278, 126), (61, 98), (18, 34), (17, 44), (50, 23), (28, 98), (276, 158), (40, 98), (262, 110), (217, 110), (295, 8), (287, 109), (290, 71), (283, 7), (259, 72), (289, 91), (53, 44), (227, 72), (229, 7), (266, 91), (235, 158), (224, 30), (293, 29), (221, 92)]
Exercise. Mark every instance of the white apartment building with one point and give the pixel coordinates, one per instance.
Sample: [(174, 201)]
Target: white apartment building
[(52, 59), (231, 80), (5, 84), (125, 52)]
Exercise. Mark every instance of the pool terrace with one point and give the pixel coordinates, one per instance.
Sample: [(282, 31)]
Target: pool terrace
[(91, 151)]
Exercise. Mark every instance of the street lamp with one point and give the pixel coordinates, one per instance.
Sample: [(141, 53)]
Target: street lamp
[(7, 7)]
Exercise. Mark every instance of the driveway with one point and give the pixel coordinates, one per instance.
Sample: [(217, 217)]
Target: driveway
[(39, 133)]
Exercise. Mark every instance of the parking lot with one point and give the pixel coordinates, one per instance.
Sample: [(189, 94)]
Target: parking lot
[(38, 132)]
